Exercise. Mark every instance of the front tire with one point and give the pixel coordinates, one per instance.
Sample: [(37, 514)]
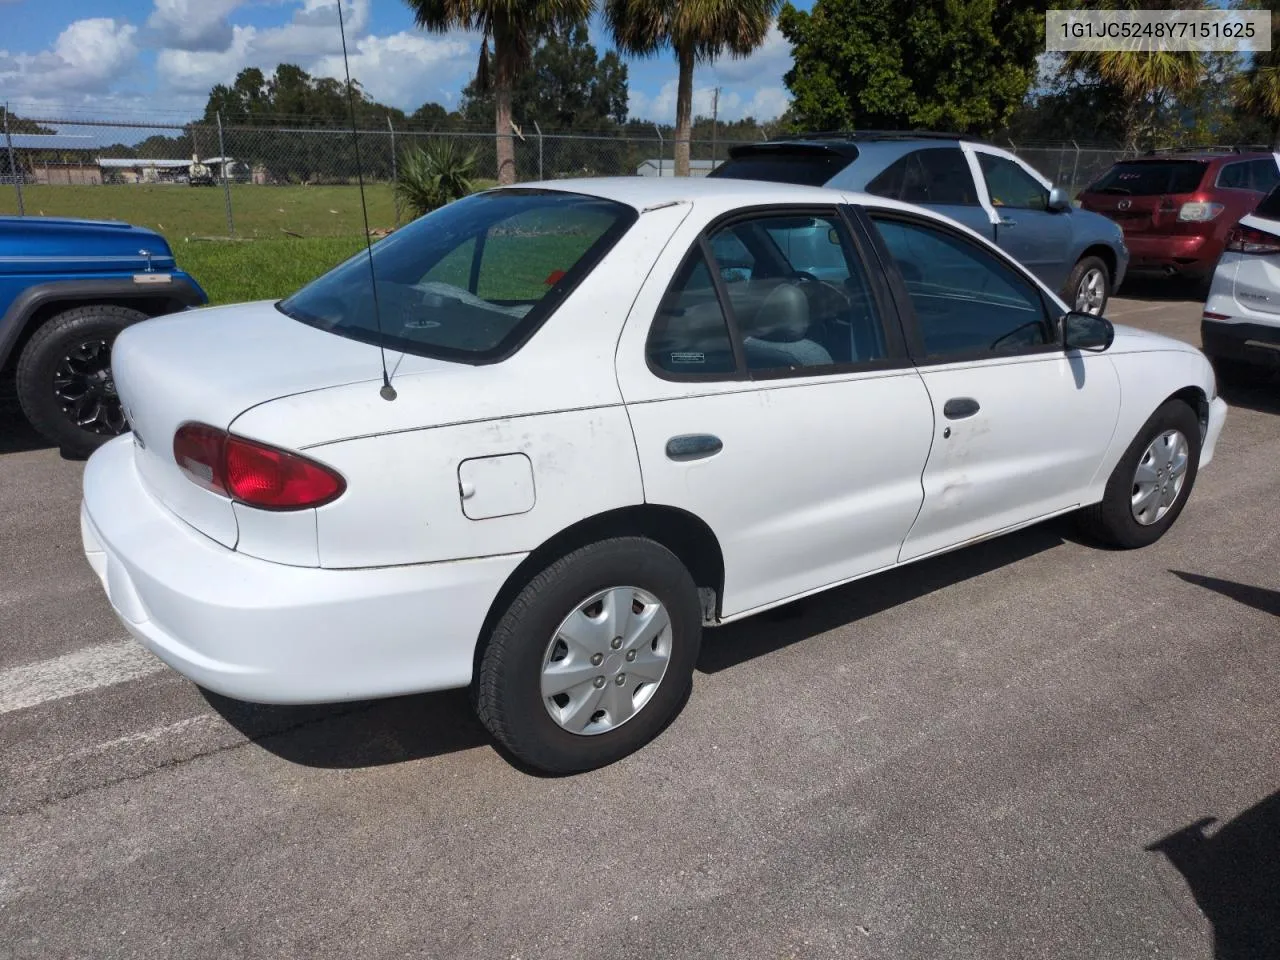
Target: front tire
[(593, 658), (1088, 288), (64, 380), (1150, 485)]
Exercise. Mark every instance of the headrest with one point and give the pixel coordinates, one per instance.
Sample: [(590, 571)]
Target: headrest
[(783, 315)]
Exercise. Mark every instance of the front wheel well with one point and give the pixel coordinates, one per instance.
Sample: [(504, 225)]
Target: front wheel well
[(681, 532), (1194, 398), (1106, 255)]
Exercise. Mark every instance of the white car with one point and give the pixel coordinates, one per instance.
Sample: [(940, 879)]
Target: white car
[(620, 410), (1240, 329)]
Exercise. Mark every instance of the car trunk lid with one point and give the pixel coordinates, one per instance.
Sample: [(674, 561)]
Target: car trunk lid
[(1144, 196), (209, 366)]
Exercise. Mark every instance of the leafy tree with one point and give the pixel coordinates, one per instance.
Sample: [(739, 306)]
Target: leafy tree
[(1257, 89), (697, 30), (430, 116), (514, 26), (958, 65), (17, 124), (567, 87)]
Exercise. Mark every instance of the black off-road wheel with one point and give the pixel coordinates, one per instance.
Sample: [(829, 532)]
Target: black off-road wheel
[(64, 380), (1150, 485), (593, 658)]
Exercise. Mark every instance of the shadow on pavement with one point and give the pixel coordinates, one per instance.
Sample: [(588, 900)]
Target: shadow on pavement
[(1263, 397), (1234, 876), (16, 435), (1260, 598), (768, 632), (1155, 288), (359, 734)]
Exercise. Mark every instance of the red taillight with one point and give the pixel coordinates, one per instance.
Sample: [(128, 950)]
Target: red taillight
[(252, 472), (1248, 240)]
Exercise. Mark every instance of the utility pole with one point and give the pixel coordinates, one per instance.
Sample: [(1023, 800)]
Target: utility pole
[(715, 118)]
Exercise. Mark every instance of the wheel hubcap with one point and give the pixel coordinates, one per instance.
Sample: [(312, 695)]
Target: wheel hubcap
[(606, 660), (85, 390), (1158, 480), (1091, 295)]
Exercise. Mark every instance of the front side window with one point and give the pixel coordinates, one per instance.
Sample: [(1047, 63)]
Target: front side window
[(966, 301), (1009, 185), (469, 280), (938, 175)]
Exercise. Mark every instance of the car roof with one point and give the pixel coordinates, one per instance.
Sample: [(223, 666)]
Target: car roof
[(647, 192)]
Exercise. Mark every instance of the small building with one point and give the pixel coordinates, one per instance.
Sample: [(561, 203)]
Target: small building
[(138, 170), (667, 168)]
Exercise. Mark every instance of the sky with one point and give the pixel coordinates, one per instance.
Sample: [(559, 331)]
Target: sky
[(157, 59)]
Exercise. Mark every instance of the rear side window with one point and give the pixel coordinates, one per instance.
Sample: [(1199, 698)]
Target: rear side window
[(1263, 175), (935, 175), (1148, 178), (1236, 176), (690, 334), (808, 168)]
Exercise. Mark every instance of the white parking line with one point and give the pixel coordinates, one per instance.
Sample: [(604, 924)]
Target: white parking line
[(87, 669)]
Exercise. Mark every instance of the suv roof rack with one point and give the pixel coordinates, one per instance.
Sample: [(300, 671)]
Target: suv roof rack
[(856, 135), (1211, 148)]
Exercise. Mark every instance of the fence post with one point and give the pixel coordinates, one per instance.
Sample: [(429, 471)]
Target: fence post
[(395, 174), (662, 149), (1075, 167), (13, 166), (226, 187), (539, 132)]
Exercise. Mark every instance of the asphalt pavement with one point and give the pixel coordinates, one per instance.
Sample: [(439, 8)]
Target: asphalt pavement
[(1028, 748)]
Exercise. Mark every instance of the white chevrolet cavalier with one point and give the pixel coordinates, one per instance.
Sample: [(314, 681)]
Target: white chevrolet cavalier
[(623, 410)]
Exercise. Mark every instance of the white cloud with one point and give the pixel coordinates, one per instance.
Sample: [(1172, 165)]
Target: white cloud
[(192, 24), (88, 55), (761, 102), (768, 61), (189, 71), (407, 69)]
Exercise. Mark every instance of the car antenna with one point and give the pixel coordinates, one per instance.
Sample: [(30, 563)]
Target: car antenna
[(388, 392)]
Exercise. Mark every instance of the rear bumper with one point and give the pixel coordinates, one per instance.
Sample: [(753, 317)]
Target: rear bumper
[(1255, 343), (1164, 253), (271, 633)]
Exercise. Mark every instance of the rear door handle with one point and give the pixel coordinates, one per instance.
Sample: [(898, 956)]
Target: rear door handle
[(693, 446), (958, 408)]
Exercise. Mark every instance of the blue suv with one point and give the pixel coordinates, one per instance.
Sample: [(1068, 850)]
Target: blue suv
[(1080, 254), (67, 287)]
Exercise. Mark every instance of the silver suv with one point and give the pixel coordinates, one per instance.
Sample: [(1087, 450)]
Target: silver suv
[(987, 189)]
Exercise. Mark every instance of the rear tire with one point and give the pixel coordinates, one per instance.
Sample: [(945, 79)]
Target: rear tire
[(552, 636), (1088, 288), (69, 356), (1138, 507)]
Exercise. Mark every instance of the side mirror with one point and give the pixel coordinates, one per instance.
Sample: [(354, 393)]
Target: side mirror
[(1058, 200), (1084, 331)]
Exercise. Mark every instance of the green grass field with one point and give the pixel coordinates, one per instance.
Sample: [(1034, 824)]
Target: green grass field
[(232, 272)]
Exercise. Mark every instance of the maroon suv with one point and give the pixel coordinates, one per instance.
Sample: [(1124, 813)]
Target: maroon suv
[(1176, 208)]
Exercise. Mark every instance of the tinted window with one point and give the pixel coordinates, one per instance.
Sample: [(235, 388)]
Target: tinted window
[(1009, 185), (1270, 205), (689, 334), (1145, 178), (1263, 175), (814, 169), (1235, 176), (805, 301), (966, 301), (935, 175), (469, 279)]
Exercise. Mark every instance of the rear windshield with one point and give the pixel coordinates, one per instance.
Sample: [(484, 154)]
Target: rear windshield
[(1270, 205), (1144, 178), (470, 281), (810, 169)]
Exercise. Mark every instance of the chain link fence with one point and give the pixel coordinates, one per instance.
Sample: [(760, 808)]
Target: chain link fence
[(298, 179)]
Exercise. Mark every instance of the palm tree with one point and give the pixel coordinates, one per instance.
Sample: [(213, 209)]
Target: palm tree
[(514, 26), (432, 176), (697, 30)]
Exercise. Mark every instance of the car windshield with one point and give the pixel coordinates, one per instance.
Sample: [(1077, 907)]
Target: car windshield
[(1270, 205), (1145, 178), (469, 281)]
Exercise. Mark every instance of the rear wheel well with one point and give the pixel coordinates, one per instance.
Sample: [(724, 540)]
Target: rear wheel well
[(151, 306), (684, 534), (1107, 256)]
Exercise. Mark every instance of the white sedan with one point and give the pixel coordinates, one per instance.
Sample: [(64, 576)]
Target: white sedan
[(618, 411)]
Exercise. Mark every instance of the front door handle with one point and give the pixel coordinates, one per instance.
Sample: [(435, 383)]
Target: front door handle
[(693, 446), (958, 408)]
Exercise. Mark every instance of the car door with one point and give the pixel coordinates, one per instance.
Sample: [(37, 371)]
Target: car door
[(771, 397), (1018, 200), (938, 177), (1020, 426)]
